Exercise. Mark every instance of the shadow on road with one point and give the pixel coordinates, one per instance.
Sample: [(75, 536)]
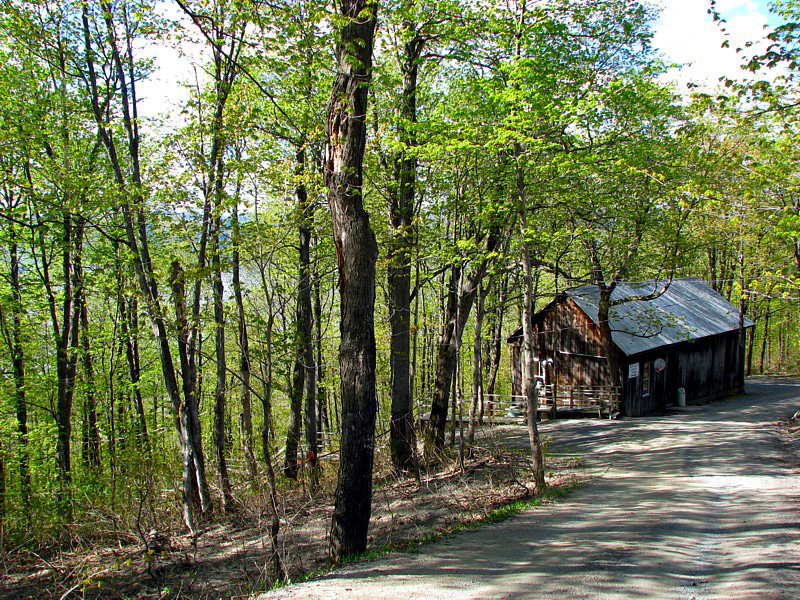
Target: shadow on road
[(696, 504)]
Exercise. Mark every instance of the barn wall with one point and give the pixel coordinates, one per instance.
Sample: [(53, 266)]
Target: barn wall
[(707, 367), (571, 342), (635, 402)]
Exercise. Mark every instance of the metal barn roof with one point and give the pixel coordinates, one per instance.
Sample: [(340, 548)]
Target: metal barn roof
[(689, 309)]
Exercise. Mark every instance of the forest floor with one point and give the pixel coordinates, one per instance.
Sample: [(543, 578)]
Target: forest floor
[(232, 558)]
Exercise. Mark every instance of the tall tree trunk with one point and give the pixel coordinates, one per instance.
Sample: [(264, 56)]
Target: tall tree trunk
[(306, 324), (129, 319), (742, 344), (220, 390), (356, 252), (91, 442), (304, 372), (401, 212), (529, 388), (766, 338), (65, 332), (17, 352), (245, 369), (297, 385), (131, 204), (458, 306), (751, 342), (2, 488), (266, 404), (322, 397), (192, 495), (497, 340), (476, 407)]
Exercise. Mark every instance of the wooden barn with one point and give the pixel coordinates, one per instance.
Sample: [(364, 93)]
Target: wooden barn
[(688, 338)]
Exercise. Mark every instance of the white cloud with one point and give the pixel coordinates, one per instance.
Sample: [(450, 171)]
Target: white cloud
[(686, 34), (178, 66)]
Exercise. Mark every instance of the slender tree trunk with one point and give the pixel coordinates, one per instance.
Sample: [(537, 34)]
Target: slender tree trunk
[(766, 338), (297, 384), (476, 407), (750, 346), (92, 438), (65, 331), (528, 369), (130, 333), (604, 308), (17, 352), (305, 313), (711, 253), (245, 369), (266, 404), (220, 390), (497, 341), (454, 397), (322, 397), (356, 252), (458, 306), (2, 491), (136, 232), (401, 212), (304, 372), (742, 347), (192, 495)]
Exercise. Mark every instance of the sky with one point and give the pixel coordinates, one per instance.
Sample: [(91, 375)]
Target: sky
[(686, 34)]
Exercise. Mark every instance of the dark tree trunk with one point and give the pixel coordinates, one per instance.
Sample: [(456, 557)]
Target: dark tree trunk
[(266, 404), (476, 408), (245, 369), (65, 332), (763, 356), (401, 213), (2, 485), (712, 269), (304, 371), (497, 341), (192, 495), (322, 398), (291, 458), (604, 308), (17, 352), (458, 306), (356, 251), (306, 323), (220, 390), (129, 319), (91, 442)]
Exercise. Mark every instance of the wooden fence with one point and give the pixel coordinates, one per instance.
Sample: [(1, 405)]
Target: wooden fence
[(602, 398), (504, 408)]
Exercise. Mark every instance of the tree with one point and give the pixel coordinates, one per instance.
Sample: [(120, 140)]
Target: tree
[(131, 203), (356, 252)]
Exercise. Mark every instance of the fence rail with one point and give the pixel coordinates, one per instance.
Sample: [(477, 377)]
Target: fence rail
[(605, 399)]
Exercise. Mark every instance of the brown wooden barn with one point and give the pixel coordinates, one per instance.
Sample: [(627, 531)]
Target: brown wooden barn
[(687, 338)]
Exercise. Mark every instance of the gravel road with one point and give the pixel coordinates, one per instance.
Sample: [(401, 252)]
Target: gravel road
[(699, 504)]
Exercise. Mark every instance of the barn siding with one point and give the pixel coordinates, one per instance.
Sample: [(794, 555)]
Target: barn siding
[(707, 367), (570, 340)]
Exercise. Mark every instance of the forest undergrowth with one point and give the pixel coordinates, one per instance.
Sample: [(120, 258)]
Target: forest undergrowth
[(232, 557)]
